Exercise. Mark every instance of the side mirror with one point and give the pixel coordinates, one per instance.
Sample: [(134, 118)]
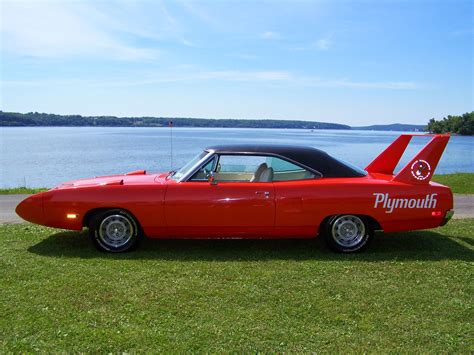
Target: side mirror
[(211, 178)]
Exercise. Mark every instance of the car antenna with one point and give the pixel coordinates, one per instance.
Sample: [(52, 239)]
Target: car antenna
[(170, 125)]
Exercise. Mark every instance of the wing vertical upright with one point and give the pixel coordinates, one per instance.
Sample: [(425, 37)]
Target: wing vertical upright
[(386, 162), (421, 168)]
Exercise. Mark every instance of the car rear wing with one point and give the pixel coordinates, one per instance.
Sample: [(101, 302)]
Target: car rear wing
[(420, 169)]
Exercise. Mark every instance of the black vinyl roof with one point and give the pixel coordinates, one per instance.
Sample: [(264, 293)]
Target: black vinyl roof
[(315, 159)]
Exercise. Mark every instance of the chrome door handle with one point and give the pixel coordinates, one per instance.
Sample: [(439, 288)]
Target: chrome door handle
[(265, 193)]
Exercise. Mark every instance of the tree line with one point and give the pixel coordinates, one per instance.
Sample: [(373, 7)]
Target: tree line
[(45, 119), (462, 125)]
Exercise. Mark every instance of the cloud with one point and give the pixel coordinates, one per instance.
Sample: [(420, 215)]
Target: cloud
[(62, 29), (200, 12), (270, 35), (188, 73), (392, 85), (321, 44), (236, 75), (220, 75)]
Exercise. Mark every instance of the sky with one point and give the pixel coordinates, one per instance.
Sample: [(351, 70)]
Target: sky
[(351, 62)]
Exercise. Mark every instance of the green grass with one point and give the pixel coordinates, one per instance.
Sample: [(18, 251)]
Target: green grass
[(22, 190), (461, 183), (410, 292)]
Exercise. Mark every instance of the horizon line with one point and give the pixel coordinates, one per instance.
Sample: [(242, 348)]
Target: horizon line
[(213, 118)]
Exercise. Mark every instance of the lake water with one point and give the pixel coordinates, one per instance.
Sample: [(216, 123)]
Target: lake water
[(47, 156)]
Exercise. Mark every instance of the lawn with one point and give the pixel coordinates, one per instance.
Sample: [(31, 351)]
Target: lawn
[(22, 190), (461, 183), (410, 292)]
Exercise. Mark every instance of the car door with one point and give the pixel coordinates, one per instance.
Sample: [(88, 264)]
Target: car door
[(231, 206), (297, 199)]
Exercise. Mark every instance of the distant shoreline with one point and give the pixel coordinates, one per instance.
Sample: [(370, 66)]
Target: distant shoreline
[(211, 127), (35, 119)]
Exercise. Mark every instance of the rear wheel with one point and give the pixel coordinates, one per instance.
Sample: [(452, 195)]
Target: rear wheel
[(348, 233), (114, 231)]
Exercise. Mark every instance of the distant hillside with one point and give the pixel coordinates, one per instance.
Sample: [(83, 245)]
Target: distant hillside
[(33, 119), (393, 127)]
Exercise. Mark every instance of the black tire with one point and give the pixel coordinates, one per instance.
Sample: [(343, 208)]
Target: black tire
[(114, 231), (348, 233)]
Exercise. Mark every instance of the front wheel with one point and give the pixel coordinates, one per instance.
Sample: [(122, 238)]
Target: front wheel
[(114, 231), (348, 233)]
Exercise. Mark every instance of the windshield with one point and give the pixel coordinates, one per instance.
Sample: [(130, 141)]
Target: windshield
[(185, 169)]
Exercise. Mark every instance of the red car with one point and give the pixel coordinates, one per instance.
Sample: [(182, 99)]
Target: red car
[(254, 191)]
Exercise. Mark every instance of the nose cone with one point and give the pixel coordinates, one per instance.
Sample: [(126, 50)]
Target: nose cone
[(31, 209)]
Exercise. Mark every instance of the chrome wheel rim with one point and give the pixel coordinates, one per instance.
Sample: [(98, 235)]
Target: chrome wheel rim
[(348, 231), (116, 230)]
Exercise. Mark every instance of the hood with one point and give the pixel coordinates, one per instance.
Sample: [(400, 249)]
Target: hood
[(139, 177)]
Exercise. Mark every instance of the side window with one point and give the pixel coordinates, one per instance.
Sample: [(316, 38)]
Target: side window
[(251, 168), (240, 163), (285, 171), (248, 168), (201, 174)]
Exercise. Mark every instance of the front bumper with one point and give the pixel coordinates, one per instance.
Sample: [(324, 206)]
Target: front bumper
[(449, 214), (31, 209)]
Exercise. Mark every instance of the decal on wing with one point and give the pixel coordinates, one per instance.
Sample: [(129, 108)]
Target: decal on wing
[(421, 168)]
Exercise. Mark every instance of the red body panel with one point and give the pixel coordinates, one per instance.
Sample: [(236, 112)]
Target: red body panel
[(199, 209), (166, 208), (291, 209)]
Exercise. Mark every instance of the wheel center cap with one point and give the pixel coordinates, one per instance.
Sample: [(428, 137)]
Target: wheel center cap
[(116, 230), (348, 230)]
